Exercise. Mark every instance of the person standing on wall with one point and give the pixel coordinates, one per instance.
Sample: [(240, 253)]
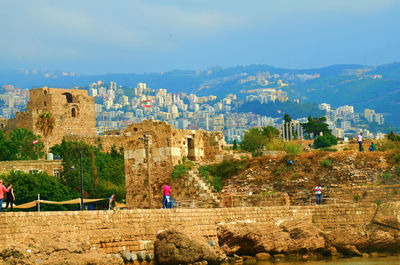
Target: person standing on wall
[(359, 139), (167, 196), (10, 198), (2, 190), (318, 192)]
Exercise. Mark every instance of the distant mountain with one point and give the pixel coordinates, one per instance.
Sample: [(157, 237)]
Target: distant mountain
[(359, 85)]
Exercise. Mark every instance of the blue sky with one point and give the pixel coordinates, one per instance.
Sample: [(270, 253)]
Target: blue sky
[(131, 36)]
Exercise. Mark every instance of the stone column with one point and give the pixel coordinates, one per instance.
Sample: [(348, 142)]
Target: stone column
[(286, 132), (298, 131), (301, 131), (290, 131)]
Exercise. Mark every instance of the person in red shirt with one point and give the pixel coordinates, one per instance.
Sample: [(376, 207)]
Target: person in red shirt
[(2, 190), (167, 196)]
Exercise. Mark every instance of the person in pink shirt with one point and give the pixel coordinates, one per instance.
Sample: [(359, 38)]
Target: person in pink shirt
[(167, 196), (2, 190)]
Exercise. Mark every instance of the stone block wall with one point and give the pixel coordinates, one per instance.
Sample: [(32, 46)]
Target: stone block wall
[(368, 194), (255, 200), (48, 166), (135, 230)]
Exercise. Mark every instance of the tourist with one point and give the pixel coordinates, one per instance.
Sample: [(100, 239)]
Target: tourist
[(167, 196), (372, 147), (2, 190), (359, 139), (10, 198), (319, 194)]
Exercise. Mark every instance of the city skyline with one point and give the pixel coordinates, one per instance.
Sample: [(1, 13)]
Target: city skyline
[(95, 37)]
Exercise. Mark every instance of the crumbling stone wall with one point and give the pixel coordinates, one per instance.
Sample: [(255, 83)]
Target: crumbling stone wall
[(72, 109), (167, 147), (48, 166)]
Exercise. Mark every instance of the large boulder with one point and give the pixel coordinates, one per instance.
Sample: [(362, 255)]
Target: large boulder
[(388, 214), (173, 247), (252, 238), (305, 237)]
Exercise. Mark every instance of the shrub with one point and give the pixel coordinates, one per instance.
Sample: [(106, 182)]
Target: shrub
[(356, 198), (325, 141), (228, 168), (386, 145), (217, 173), (378, 202), (204, 171), (396, 158), (180, 170), (326, 162), (397, 170), (288, 147), (329, 149), (386, 176), (393, 137)]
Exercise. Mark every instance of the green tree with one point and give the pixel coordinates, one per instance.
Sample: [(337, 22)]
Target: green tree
[(5, 150), (316, 126), (234, 144), (46, 123), (27, 186), (287, 118), (253, 141), (325, 141), (103, 173), (270, 132), (21, 145)]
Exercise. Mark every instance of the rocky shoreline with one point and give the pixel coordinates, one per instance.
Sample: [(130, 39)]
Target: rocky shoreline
[(236, 242)]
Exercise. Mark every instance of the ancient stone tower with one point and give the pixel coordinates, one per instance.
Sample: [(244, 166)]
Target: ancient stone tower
[(167, 146), (73, 110)]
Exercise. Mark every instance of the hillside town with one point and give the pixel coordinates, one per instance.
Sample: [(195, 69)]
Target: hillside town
[(117, 106)]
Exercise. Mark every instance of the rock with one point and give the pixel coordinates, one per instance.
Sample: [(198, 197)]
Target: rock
[(388, 214), (342, 238), (141, 255), (127, 256), (279, 256), (133, 257), (305, 236), (252, 238), (349, 250), (14, 253), (173, 247), (149, 256), (249, 260), (332, 251), (263, 256)]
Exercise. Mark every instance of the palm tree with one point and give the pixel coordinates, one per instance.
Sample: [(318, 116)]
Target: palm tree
[(45, 123)]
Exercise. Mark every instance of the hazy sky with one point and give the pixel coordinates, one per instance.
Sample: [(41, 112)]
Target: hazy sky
[(145, 36)]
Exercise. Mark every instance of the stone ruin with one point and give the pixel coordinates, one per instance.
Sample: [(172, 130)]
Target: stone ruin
[(167, 146), (72, 109)]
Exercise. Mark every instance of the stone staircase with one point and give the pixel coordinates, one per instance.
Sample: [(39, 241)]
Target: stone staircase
[(204, 191)]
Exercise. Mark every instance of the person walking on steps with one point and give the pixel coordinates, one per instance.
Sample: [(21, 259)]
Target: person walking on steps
[(319, 194), (2, 190), (359, 139), (10, 198)]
